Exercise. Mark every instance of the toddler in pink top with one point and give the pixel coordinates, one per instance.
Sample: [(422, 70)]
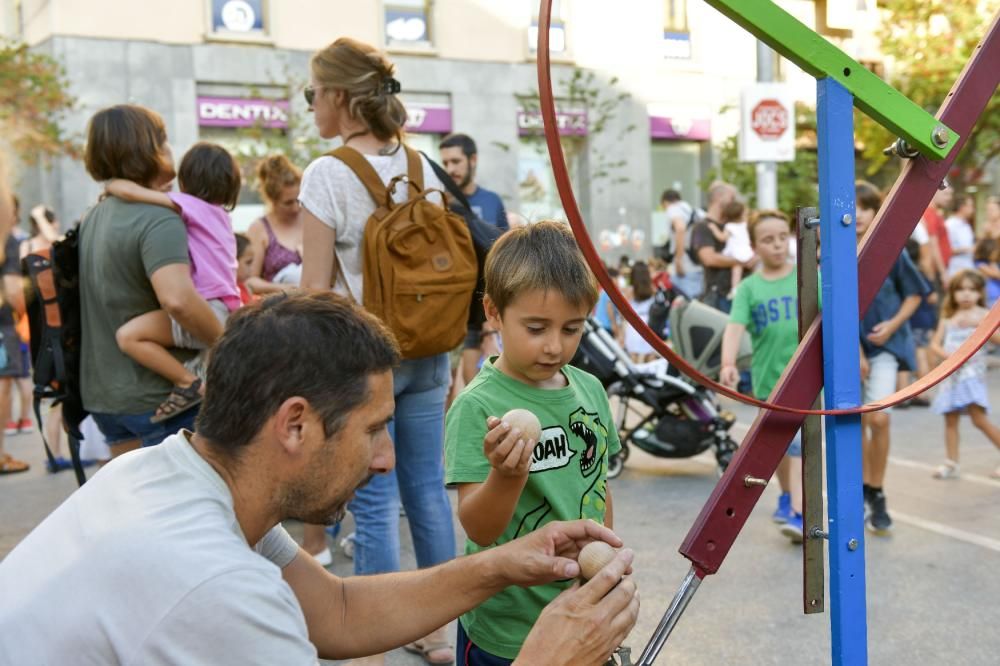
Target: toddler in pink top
[(209, 180)]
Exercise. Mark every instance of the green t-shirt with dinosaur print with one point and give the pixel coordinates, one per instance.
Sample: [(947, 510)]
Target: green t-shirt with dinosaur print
[(568, 479)]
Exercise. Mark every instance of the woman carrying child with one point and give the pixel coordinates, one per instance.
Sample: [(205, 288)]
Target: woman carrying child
[(209, 180), (965, 391)]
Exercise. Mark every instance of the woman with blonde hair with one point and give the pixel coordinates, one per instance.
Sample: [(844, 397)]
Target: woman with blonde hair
[(276, 237), (352, 95)]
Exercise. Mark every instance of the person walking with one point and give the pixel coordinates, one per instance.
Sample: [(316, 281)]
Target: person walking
[(965, 391), (352, 95), (277, 236)]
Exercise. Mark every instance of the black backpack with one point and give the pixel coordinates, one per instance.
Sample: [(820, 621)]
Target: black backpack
[(667, 251), (52, 300), (483, 235)]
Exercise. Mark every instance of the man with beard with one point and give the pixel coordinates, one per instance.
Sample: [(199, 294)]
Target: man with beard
[(175, 554), (459, 157)]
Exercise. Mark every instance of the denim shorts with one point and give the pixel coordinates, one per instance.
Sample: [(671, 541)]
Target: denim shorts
[(119, 428)]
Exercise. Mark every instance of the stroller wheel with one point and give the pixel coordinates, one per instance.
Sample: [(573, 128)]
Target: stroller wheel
[(616, 463)]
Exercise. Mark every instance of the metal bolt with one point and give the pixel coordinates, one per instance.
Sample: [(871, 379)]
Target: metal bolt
[(940, 136), (817, 533), (852, 545), (812, 223), (749, 481), (846, 219)]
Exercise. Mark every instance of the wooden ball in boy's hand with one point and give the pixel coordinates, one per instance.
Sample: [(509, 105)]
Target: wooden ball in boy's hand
[(525, 421), (593, 557)]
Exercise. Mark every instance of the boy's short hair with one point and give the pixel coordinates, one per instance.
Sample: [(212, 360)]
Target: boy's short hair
[(210, 173), (869, 197), (540, 256), (759, 216)]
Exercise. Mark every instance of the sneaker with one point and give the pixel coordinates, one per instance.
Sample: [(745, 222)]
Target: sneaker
[(783, 513), (347, 545), (11, 428), (25, 425), (58, 465), (868, 493), (949, 470), (324, 557), (878, 521), (793, 528)]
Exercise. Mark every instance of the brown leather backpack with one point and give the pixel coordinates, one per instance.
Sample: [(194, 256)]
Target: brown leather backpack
[(418, 261)]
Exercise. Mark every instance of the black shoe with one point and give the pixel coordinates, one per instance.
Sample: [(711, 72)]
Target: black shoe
[(878, 520), (868, 492)]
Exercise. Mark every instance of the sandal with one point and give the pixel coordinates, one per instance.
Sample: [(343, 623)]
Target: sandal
[(949, 470), (181, 399), (9, 465), (425, 648)]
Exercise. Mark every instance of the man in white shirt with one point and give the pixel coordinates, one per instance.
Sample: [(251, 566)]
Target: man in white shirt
[(175, 554)]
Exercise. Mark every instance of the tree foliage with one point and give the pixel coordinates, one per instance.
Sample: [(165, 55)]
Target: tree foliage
[(927, 43), (34, 98)]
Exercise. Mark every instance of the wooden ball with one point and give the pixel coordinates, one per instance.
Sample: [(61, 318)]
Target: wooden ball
[(593, 557), (526, 422)]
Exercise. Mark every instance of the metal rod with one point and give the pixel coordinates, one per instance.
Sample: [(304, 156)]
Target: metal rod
[(670, 618)]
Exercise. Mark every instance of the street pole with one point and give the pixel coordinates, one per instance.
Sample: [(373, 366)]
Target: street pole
[(767, 172)]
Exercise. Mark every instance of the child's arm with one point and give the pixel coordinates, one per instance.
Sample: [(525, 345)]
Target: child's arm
[(485, 509), (129, 191), (737, 275), (884, 330), (720, 233), (936, 340), (731, 337)]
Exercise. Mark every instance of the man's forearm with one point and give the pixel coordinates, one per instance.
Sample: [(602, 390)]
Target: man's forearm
[(380, 613)]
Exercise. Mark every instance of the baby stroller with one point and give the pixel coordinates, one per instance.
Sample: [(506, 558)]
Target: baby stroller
[(677, 419)]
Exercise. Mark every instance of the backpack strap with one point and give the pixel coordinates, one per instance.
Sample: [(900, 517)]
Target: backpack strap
[(414, 169), (365, 172)]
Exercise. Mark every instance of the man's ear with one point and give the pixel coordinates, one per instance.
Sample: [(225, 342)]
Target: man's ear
[(473, 159), (290, 423)]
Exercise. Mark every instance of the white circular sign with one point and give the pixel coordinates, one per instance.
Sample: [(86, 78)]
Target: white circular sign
[(238, 16)]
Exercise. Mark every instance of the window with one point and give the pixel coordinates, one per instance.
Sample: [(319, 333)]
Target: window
[(407, 23), (676, 36), (557, 30), (239, 18)]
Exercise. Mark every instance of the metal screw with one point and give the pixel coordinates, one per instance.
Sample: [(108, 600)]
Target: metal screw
[(852, 545), (940, 136), (846, 219), (812, 223), (749, 481), (817, 533)]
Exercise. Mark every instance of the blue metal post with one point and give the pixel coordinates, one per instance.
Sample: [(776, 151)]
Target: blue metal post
[(842, 373)]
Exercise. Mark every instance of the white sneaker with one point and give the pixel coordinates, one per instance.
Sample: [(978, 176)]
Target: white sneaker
[(347, 545), (949, 470), (324, 557)]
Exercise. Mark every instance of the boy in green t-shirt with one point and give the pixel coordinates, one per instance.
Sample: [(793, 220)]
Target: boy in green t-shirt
[(767, 304), (538, 293)]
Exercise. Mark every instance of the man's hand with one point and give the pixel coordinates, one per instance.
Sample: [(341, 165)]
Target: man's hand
[(508, 452), (881, 333), (585, 623), (729, 376), (549, 553)]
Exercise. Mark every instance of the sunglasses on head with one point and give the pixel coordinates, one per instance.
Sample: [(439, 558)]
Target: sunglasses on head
[(310, 94)]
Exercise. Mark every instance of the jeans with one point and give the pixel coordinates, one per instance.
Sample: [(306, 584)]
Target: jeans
[(417, 430), (118, 428), (468, 653)]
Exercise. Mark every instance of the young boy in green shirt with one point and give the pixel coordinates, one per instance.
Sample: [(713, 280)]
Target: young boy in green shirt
[(767, 304), (539, 291)]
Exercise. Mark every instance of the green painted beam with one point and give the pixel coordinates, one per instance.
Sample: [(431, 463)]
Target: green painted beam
[(792, 39)]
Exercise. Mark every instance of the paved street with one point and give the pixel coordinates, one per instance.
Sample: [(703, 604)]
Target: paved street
[(933, 586)]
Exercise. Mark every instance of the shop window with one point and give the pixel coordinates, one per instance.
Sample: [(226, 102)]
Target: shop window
[(407, 23), (676, 35), (239, 19), (557, 29)]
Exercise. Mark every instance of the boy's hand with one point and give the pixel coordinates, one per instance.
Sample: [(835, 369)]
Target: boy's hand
[(881, 333), (729, 376), (508, 452), (864, 367)]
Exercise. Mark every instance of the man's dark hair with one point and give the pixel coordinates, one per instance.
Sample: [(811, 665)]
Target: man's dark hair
[(320, 347), (210, 173), (242, 243), (463, 141), (126, 141), (670, 196)]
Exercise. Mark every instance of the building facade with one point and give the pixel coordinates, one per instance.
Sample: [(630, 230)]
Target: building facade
[(215, 69)]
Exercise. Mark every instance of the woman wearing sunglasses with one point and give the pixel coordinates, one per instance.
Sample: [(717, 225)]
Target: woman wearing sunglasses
[(352, 95)]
